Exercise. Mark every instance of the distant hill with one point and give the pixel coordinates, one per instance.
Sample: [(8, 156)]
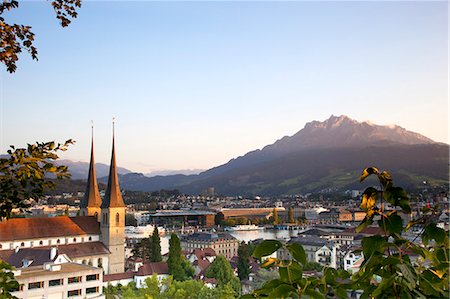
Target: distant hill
[(323, 155), (79, 170), (173, 172)]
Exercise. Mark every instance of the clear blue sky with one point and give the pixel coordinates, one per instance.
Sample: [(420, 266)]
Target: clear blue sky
[(194, 84)]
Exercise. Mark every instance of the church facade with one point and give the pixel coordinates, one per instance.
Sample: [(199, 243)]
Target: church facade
[(95, 238)]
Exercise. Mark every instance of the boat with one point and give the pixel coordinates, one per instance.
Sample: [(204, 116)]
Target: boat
[(243, 227)]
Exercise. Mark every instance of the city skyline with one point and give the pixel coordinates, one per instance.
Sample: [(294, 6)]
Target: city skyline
[(193, 85)]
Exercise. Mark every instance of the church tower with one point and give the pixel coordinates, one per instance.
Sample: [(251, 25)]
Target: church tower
[(91, 202), (113, 219)]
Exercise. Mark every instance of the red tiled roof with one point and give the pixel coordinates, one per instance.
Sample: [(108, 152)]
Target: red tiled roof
[(88, 224), (150, 268), (34, 228), (370, 230), (202, 253), (118, 276), (202, 264)]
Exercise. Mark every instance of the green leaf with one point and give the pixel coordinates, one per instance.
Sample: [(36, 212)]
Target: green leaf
[(297, 252), (365, 223), (284, 276), (282, 291), (385, 283), (296, 271), (266, 248), (373, 244), (391, 224), (366, 172), (433, 232)]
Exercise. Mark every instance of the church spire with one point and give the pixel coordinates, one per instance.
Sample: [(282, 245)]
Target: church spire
[(91, 197), (113, 197)]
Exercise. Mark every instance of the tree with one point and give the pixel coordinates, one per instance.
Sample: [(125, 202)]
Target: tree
[(387, 270), (221, 270), (15, 38), (26, 174), (275, 216), (291, 215), (219, 218), (243, 265), (143, 249), (179, 266), (130, 220), (156, 246)]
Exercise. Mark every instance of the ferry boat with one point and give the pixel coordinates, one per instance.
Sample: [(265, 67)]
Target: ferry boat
[(243, 227)]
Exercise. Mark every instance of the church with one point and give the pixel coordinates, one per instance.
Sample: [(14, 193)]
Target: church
[(96, 237)]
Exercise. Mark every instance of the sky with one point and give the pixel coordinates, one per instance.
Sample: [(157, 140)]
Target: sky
[(194, 84)]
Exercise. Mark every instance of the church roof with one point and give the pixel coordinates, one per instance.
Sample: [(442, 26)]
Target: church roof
[(151, 268), (113, 196), (35, 228), (83, 249), (92, 195)]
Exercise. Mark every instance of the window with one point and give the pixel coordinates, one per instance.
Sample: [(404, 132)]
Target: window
[(58, 241), (75, 279), (92, 277), (92, 290), (90, 238), (117, 219), (22, 244), (99, 263), (74, 240), (41, 243), (55, 282), (73, 293), (96, 215), (35, 285), (348, 262)]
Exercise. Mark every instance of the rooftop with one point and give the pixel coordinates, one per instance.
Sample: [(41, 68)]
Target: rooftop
[(68, 268)]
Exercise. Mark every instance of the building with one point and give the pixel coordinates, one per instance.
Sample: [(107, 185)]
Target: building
[(222, 243), (316, 249), (67, 280), (160, 269), (96, 238), (183, 217)]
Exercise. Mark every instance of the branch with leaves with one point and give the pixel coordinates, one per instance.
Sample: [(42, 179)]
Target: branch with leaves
[(15, 38), (387, 270), (27, 172)]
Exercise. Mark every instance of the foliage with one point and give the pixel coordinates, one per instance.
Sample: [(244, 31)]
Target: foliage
[(179, 266), (25, 174), (130, 220), (291, 215), (275, 216), (221, 270), (387, 271), (156, 246), (15, 37), (168, 289), (312, 266), (243, 264), (218, 218), (7, 282), (143, 249)]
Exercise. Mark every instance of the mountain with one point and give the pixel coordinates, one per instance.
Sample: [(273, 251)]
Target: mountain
[(326, 155), (79, 170), (173, 172)]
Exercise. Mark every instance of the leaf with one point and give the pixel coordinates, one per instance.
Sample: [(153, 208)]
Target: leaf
[(391, 224), (369, 198), (266, 248), (366, 172), (269, 262), (373, 244), (296, 272), (433, 232), (282, 291), (297, 252), (385, 179), (366, 222), (386, 283)]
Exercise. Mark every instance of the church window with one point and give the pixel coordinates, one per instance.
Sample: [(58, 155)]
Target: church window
[(22, 244), (74, 239), (41, 242), (58, 241), (117, 218), (90, 239), (96, 215)]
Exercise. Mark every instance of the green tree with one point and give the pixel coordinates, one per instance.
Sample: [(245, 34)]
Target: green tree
[(218, 218), (179, 266), (156, 246), (221, 270), (16, 37), (275, 216), (143, 249), (243, 264), (27, 173), (291, 215), (130, 220)]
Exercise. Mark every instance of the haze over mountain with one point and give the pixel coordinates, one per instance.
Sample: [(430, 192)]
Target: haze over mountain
[(326, 155), (173, 172), (79, 170)]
